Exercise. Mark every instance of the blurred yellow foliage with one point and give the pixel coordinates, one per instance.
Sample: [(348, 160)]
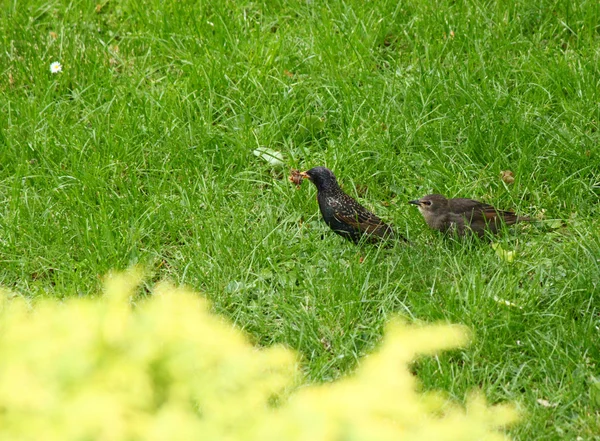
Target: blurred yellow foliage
[(168, 369)]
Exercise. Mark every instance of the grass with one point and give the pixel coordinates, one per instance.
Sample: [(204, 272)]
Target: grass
[(140, 152)]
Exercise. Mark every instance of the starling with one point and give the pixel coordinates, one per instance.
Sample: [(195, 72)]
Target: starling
[(343, 214), (461, 216)]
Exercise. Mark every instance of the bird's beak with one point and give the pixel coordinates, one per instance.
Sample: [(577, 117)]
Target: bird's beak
[(305, 175), (415, 202)]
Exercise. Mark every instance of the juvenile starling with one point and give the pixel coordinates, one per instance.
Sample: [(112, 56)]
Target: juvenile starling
[(461, 216), (343, 214)]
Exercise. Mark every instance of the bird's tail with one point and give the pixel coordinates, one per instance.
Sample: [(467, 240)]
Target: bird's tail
[(511, 218)]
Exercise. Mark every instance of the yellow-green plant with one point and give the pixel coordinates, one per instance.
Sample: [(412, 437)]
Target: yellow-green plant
[(168, 369)]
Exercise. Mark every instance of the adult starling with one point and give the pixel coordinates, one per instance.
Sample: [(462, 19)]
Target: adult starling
[(343, 214), (461, 216)]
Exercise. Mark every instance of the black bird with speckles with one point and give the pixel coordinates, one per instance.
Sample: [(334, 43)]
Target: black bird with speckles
[(343, 214)]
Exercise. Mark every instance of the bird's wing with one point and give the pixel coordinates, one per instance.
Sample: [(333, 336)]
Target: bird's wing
[(478, 211), (465, 206), (352, 213)]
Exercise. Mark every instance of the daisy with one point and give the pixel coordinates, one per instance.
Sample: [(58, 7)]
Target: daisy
[(55, 67)]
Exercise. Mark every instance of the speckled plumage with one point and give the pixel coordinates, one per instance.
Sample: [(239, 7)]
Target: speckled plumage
[(342, 213), (461, 216)]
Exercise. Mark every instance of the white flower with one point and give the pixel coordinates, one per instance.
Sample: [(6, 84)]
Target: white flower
[(56, 67), (507, 303)]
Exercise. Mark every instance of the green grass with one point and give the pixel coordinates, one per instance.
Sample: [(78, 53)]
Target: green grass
[(140, 152)]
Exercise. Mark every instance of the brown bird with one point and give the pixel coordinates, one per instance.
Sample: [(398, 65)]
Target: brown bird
[(461, 216), (343, 214)]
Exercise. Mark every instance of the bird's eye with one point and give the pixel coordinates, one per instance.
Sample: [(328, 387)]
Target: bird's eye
[(427, 203)]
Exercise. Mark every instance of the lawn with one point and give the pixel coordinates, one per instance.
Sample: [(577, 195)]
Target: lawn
[(140, 151)]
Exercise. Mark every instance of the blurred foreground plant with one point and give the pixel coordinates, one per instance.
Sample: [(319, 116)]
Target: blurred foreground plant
[(168, 369)]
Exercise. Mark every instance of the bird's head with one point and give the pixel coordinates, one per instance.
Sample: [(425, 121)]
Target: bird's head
[(322, 177), (431, 204)]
